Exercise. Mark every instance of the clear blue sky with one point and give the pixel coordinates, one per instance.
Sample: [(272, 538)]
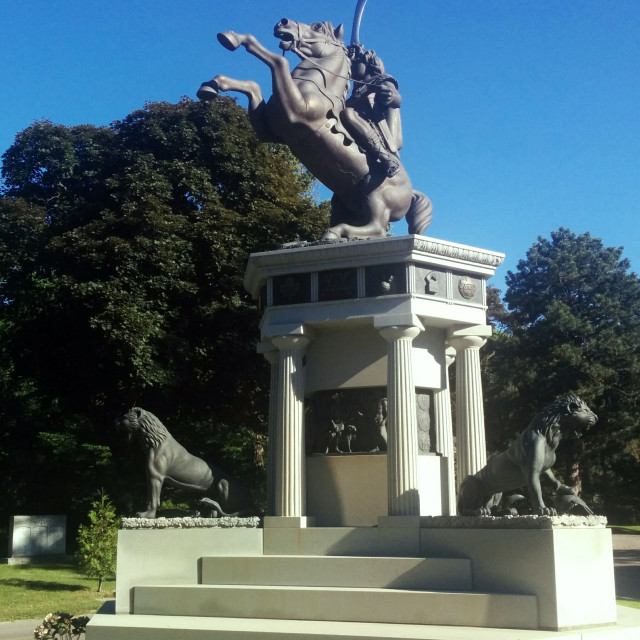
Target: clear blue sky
[(520, 116)]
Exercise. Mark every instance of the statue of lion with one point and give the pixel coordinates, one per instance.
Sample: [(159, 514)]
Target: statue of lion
[(531, 456), (168, 461)]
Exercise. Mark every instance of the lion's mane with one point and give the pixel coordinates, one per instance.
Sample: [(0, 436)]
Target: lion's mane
[(551, 417), (147, 426)]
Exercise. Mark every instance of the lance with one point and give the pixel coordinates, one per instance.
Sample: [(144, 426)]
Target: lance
[(355, 31)]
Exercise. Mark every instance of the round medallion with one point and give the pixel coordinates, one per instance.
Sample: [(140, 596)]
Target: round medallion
[(467, 288)]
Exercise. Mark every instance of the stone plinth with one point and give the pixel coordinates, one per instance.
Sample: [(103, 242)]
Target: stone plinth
[(374, 317), (167, 550), (567, 562)]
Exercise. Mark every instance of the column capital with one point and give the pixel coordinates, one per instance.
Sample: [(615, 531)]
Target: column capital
[(285, 329), (290, 341), (450, 356), (466, 342), (397, 320), (269, 351), (468, 337), (396, 332)]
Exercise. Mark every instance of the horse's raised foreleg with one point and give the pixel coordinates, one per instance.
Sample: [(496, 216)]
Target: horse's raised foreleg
[(257, 105), (249, 88), (283, 85)]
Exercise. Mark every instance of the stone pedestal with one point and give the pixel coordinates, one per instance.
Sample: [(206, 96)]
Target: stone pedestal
[(357, 334)]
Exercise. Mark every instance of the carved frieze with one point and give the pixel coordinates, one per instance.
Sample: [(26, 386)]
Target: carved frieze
[(385, 279), (292, 288), (344, 421), (337, 284)]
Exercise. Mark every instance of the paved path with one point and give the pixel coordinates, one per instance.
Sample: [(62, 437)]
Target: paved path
[(626, 558)]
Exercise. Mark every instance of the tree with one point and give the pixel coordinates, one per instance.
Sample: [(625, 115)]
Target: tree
[(573, 325), (122, 252), (98, 541)]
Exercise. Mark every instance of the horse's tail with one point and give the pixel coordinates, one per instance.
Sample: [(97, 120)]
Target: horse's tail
[(419, 214)]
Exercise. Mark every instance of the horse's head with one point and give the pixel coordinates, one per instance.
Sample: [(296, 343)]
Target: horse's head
[(310, 40)]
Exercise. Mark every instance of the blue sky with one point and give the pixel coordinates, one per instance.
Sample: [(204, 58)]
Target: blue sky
[(520, 116)]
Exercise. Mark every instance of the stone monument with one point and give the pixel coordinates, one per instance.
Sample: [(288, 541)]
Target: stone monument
[(361, 539), (31, 537)]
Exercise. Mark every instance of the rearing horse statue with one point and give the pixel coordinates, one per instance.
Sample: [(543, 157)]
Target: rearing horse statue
[(304, 113)]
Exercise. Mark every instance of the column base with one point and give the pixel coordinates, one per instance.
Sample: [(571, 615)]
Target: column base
[(288, 522)]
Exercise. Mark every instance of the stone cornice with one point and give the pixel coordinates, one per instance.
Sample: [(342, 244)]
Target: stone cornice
[(317, 257)]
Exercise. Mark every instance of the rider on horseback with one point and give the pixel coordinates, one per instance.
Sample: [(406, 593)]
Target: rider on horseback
[(371, 114)]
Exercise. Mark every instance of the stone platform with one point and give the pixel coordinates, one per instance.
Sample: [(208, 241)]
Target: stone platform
[(405, 578)]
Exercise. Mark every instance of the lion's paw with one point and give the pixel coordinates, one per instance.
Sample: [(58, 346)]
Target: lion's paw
[(545, 511), (146, 514)]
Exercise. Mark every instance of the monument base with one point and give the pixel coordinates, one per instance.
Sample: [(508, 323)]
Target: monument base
[(443, 578)]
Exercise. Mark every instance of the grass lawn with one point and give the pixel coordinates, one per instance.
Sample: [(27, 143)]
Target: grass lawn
[(632, 529), (31, 591), (629, 603)]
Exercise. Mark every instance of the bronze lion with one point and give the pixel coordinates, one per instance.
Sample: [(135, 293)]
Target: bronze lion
[(531, 456), (168, 461)]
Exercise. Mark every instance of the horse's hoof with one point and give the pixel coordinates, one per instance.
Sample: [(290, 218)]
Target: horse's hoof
[(229, 40), (207, 90)]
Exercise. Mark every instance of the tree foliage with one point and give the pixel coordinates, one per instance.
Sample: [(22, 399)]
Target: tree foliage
[(573, 325), (122, 253), (98, 541)]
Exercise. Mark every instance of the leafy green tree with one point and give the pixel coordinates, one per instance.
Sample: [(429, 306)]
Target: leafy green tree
[(98, 541), (573, 325), (122, 253)]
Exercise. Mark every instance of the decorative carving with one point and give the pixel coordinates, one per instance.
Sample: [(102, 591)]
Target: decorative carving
[(337, 284), (386, 279), (352, 148), (431, 284), (380, 422), (340, 437), (459, 252), (467, 287), (423, 416), (355, 421), (292, 289), (525, 461)]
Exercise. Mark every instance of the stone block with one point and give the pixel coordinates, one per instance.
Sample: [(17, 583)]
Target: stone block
[(351, 490), (170, 556), (570, 570), (37, 535)]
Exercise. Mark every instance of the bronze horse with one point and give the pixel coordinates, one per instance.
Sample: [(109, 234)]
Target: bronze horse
[(304, 113)]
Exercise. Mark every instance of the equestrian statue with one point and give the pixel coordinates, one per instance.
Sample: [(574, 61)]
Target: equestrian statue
[(350, 145)]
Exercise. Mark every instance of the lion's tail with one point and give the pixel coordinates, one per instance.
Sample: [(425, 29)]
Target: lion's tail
[(419, 214), (216, 505), (468, 496)]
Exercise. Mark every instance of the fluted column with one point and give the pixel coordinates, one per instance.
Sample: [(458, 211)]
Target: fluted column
[(272, 356), (444, 434), (289, 486), (402, 436), (471, 440)]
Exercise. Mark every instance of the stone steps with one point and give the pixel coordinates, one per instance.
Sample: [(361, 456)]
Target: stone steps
[(339, 604), (144, 627), (432, 574)]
